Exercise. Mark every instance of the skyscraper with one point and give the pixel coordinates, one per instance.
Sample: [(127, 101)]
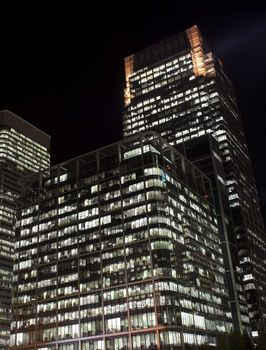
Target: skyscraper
[(179, 89), (118, 249), (23, 149), (204, 152)]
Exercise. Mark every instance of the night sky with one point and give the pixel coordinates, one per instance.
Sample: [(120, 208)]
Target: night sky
[(62, 70)]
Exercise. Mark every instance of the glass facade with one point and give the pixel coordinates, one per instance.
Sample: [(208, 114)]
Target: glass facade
[(19, 155), (26, 154), (204, 152), (178, 88), (119, 249)]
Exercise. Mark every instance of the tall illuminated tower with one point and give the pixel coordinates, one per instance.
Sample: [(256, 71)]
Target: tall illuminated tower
[(179, 89), (23, 149)]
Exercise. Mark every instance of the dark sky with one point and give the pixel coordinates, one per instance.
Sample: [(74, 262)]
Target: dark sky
[(62, 68)]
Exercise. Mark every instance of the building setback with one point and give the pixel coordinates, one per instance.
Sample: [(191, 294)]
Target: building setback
[(24, 149), (179, 89), (119, 249)]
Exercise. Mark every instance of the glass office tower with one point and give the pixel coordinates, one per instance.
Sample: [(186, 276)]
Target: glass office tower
[(179, 89), (204, 152), (23, 149), (119, 249)]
